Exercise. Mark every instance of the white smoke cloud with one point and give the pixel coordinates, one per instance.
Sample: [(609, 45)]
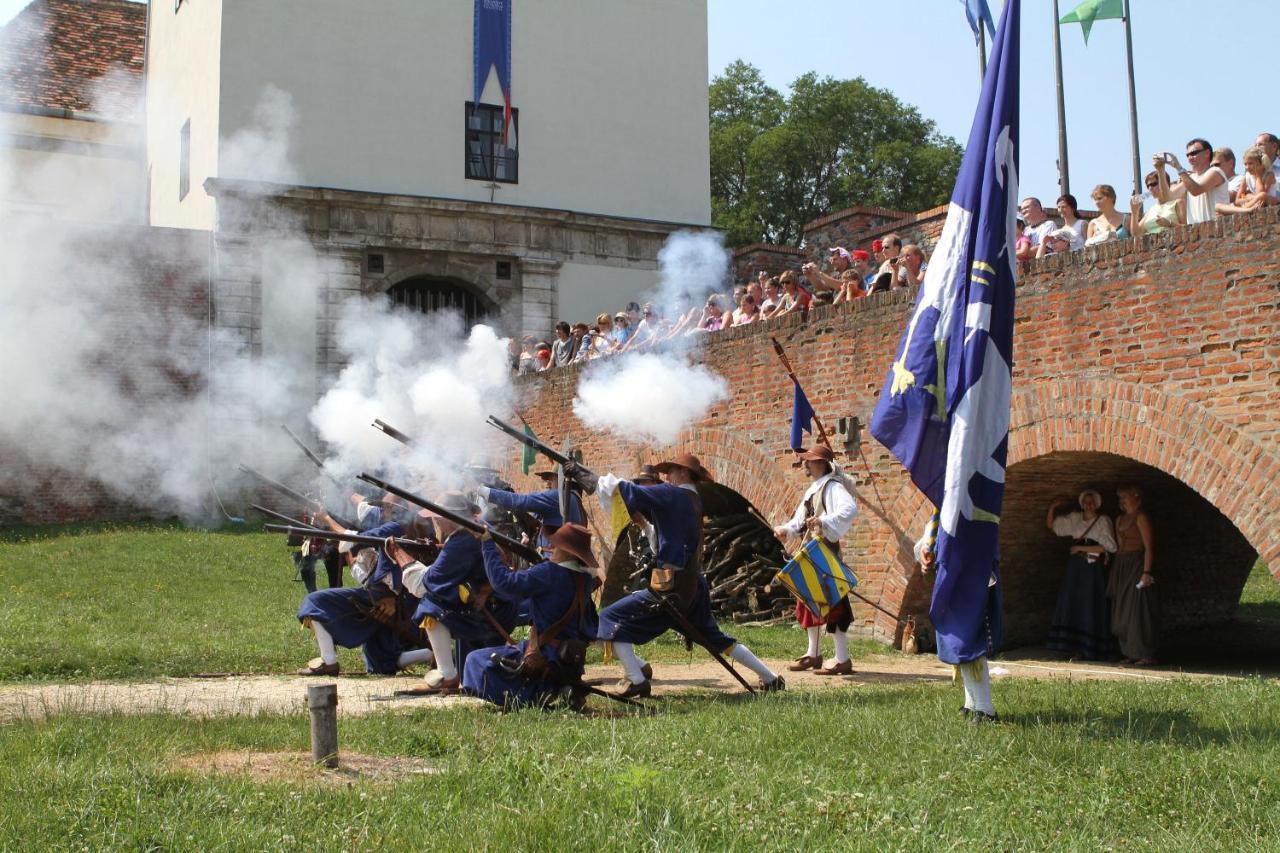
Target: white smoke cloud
[(423, 375), (648, 397), (261, 150), (652, 396)]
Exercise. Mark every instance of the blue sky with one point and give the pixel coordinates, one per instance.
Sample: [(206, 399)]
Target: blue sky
[(923, 51), (1192, 77)]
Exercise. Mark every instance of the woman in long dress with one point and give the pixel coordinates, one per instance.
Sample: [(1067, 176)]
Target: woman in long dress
[(1082, 618), (1134, 609)]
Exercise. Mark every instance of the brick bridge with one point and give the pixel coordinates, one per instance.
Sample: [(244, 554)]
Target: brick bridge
[(1155, 362)]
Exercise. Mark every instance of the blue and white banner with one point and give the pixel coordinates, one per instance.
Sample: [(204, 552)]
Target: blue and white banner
[(944, 410), (975, 11), (492, 49)]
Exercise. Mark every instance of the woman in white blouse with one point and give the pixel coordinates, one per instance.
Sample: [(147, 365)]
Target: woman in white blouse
[(1081, 626)]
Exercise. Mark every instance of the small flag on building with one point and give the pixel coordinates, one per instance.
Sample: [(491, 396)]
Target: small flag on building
[(530, 455), (801, 417)]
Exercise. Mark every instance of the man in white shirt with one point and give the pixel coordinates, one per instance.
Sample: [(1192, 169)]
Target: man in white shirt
[(1204, 185), (1039, 225), (1269, 144), (827, 510)]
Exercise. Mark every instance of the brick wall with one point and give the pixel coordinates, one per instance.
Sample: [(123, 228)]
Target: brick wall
[(749, 261), (1159, 357)]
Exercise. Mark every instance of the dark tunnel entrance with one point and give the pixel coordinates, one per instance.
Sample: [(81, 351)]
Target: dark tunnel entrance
[(1201, 560)]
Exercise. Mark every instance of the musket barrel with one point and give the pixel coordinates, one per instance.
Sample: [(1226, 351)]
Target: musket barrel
[(388, 429), (292, 493), (576, 470), (279, 516), (335, 536)]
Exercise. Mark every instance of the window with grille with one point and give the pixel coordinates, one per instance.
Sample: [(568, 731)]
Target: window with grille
[(429, 295), (488, 159)]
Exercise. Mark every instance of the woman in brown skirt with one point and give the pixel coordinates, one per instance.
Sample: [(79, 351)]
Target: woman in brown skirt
[(1130, 587)]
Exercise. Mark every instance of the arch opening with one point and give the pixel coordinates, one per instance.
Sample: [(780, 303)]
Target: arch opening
[(1201, 562), (432, 294)]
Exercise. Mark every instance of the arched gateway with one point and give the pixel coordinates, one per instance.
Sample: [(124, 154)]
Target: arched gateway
[(430, 294)]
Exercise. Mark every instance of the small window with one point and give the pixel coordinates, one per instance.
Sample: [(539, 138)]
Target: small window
[(488, 158), (377, 263), (184, 160), (503, 270)]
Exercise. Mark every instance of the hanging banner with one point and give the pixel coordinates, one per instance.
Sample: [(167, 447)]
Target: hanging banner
[(492, 49)]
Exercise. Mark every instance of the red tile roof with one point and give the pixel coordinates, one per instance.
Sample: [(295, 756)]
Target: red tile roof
[(57, 54)]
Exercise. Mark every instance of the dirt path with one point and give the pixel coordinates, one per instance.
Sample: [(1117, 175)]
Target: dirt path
[(233, 695)]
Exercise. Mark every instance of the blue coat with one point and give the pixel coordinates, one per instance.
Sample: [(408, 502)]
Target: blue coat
[(459, 563), (675, 513), (386, 566), (544, 506)]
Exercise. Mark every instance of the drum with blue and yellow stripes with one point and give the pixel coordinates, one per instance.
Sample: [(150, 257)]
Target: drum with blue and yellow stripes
[(817, 577)]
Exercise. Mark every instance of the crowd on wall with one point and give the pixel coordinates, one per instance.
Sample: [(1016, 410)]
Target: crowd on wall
[(1206, 188)]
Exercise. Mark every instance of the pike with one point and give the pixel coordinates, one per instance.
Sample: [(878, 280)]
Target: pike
[(520, 549), (280, 487), (786, 365), (311, 455), (574, 470), (335, 536), (384, 427)]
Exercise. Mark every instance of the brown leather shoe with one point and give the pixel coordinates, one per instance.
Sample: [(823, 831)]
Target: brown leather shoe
[(317, 666), (647, 672), (845, 668), (775, 686), (445, 687), (806, 662), (643, 690)]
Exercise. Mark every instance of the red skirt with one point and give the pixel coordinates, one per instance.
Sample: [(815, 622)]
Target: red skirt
[(839, 618)]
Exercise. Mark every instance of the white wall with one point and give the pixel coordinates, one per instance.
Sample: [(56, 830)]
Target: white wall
[(612, 98), (585, 290), (182, 82)]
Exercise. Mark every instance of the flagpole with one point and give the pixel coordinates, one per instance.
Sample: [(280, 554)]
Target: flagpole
[(982, 51), (786, 365), (1133, 100), (1064, 180)]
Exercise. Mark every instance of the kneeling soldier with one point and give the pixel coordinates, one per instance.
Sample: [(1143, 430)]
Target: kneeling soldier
[(564, 622)]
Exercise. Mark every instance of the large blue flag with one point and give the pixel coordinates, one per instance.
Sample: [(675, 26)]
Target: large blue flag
[(944, 410), (978, 10), (491, 48), (801, 417)]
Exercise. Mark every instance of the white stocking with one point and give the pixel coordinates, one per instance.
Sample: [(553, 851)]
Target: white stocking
[(626, 653), (324, 640), (841, 639), (743, 655), (442, 646), (815, 642), (408, 659), (977, 686)]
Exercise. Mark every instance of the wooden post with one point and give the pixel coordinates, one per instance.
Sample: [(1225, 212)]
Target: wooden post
[(322, 701)]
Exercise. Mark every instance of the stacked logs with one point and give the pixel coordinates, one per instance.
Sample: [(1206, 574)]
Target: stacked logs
[(740, 556)]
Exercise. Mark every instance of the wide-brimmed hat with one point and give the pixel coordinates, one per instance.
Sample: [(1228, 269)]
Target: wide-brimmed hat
[(819, 453), (687, 461), (648, 476), (575, 539), (1096, 496), (547, 474), (455, 502)]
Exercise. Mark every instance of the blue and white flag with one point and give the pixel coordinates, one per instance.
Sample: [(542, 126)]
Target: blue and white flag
[(801, 417), (978, 10), (944, 410)]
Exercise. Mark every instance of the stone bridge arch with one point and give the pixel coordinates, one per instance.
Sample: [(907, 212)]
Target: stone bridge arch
[(1214, 488)]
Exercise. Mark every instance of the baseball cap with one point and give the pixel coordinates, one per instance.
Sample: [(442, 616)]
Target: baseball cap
[(877, 245), (841, 251), (860, 255)]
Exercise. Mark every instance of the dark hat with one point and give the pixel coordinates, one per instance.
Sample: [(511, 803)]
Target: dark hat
[(819, 453), (455, 502), (648, 476), (547, 474), (690, 463), (575, 539)]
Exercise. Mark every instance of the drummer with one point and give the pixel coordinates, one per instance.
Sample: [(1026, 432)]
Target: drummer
[(826, 512)]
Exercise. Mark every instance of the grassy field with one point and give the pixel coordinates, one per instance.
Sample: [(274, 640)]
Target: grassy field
[(154, 600), (1167, 766)]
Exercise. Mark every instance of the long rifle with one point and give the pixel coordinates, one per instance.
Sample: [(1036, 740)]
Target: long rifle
[(383, 426), (572, 468), (311, 455), (518, 548), (280, 487), (335, 536), (281, 517), (786, 365)]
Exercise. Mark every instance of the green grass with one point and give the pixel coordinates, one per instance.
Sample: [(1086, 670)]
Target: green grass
[(1260, 598), (1171, 766), (140, 601)]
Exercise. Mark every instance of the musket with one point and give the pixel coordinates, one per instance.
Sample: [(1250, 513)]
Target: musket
[(281, 517), (293, 493), (335, 536), (387, 428), (518, 548), (311, 455), (786, 365), (573, 469)]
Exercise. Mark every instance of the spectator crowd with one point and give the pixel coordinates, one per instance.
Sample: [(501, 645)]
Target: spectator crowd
[(1206, 188)]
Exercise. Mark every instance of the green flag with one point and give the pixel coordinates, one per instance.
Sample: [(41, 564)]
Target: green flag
[(530, 455), (1093, 10)]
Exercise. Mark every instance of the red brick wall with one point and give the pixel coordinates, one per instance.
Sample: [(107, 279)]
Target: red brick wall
[(749, 261), (1162, 352)]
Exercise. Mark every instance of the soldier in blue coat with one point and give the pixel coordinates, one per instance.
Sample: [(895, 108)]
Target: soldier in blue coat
[(456, 601), (542, 505), (356, 616), (564, 622), (674, 510)]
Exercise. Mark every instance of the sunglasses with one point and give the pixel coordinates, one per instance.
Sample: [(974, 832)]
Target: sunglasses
[(1153, 185), (1197, 152)]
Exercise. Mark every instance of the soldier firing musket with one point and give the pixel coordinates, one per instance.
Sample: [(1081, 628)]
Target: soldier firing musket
[(303, 500)]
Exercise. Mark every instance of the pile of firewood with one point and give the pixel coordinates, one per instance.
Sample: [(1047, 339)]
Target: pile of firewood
[(740, 557)]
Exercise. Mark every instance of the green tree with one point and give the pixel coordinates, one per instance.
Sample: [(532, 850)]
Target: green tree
[(778, 162)]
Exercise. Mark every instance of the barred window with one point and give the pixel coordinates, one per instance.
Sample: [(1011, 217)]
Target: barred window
[(487, 158)]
